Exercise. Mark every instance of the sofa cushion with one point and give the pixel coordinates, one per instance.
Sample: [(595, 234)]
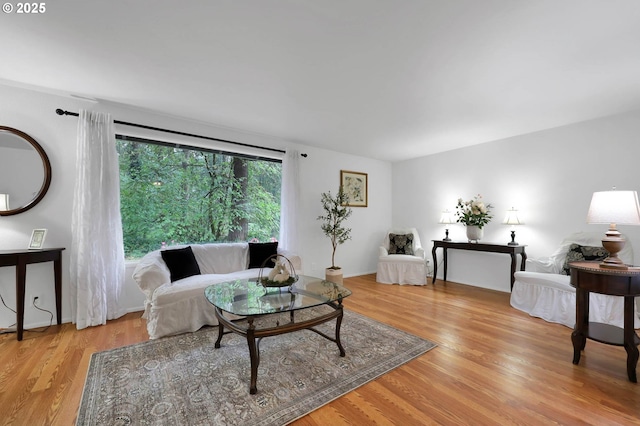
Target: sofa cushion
[(401, 244), (578, 253), (259, 252), (181, 263)]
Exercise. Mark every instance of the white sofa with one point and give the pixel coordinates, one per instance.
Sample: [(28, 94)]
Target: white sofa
[(543, 292), (180, 306)]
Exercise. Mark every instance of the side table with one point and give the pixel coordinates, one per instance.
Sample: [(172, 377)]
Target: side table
[(589, 277), (20, 259)]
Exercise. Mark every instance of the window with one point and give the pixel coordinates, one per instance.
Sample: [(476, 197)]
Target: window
[(174, 194)]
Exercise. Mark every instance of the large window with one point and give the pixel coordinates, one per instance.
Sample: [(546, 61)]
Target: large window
[(180, 195)]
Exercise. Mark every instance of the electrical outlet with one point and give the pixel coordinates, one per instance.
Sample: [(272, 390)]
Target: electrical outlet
[(35, 298)]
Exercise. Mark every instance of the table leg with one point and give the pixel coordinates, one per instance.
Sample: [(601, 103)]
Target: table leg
[(435, 265), (254, 355), (513, 268), (21, 274), (57, 272), (338, 324), (579, 335), (630, 338), (444, 260)]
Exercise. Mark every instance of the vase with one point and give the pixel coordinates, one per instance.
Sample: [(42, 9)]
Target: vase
[(474, 233)]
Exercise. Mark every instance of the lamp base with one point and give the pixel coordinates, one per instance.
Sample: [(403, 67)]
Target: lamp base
[(613, 244), (446, 235), (513, 239)]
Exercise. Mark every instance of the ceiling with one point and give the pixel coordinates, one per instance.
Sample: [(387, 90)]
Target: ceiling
[(386, 79)]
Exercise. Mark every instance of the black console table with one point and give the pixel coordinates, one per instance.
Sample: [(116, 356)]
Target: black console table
[(512, 250), (20, 259)]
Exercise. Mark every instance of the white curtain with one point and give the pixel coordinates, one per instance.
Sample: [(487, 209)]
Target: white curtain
[(97, 250), (289, 202)]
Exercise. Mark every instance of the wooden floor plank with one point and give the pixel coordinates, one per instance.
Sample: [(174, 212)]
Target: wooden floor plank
[(493, 365)]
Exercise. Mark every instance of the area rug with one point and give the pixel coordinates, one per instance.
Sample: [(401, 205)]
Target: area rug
[(184, 380)]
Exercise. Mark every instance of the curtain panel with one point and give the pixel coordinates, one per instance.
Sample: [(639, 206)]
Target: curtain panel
[(289, 202), (97, 248)]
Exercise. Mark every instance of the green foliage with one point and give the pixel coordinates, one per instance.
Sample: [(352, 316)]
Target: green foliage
[(332, 221), (172, 195)]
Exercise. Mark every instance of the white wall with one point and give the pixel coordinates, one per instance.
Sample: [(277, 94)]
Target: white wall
[(549, 176), (34, 113)]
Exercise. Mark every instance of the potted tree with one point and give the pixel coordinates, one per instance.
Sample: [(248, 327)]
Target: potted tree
[(335, 213)]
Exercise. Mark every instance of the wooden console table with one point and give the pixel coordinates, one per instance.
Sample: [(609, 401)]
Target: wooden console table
[(512, 250), (20, 259), (589, 277)]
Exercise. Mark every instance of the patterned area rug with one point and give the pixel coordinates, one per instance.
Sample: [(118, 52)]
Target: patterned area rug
[(184, 380)]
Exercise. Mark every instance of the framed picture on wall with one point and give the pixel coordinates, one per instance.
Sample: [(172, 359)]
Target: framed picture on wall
[(37, 239), (355, 185)]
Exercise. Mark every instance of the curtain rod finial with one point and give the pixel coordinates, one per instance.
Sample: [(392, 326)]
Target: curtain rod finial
[(303, 155), (59, 111)]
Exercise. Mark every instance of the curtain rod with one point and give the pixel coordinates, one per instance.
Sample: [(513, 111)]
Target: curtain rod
[(175, 132)]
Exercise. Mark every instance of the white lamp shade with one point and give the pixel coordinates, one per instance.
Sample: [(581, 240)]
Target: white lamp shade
[(4, 202), (512, 218), (619, 207), (446, 217)]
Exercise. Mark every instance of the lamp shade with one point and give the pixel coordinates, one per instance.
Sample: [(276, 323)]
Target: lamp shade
[(4, 202), (617, 207), (446, 217), (512, 218)]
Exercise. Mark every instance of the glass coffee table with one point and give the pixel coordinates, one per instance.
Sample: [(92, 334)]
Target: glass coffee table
[(248, 299)]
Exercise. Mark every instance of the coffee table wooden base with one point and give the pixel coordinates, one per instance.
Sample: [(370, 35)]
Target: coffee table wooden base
[(254, 335)]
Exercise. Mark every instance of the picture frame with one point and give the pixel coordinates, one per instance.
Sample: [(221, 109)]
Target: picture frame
[(356, 186), (37, 239)]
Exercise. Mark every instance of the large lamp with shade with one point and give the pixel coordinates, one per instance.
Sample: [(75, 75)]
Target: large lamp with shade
[(512, 219), (614, 208), (447, 219)]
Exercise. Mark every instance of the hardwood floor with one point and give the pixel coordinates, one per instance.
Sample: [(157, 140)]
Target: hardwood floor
[(493, 365)]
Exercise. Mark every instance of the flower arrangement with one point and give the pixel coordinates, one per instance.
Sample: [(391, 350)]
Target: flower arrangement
[(473, 212)]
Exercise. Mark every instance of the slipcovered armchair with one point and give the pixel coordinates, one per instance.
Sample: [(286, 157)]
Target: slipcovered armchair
[(544, 290), (401, 258)]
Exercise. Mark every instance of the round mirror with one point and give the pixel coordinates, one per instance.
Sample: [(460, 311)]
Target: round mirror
[(25, 171)]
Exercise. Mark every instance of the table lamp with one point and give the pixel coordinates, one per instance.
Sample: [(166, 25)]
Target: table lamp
[(614, 207), (447, 219), (512, 219)]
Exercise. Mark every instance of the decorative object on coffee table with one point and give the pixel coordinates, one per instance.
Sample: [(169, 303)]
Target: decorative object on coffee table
[(282, 274)]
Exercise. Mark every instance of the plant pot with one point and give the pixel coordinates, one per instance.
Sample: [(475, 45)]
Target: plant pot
[(333, 275), (474, 233)]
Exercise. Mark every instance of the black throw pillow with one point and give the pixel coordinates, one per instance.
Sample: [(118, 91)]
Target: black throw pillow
[(578, 253), (259, 252), (401, 244), (181, 263)]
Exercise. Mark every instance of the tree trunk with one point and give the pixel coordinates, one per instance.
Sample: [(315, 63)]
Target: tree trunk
[(240, 224)]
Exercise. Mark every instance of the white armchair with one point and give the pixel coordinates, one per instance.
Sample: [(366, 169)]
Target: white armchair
[(401, 258), (543, 291)]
